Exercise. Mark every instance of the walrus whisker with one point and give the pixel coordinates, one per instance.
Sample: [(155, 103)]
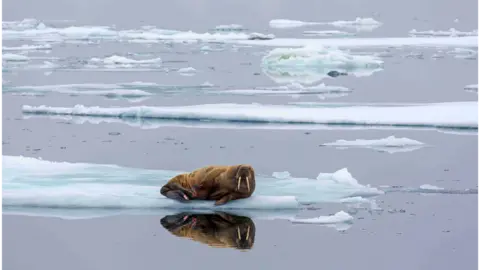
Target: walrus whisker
[(248, 232), (248, 184), (238, 233)]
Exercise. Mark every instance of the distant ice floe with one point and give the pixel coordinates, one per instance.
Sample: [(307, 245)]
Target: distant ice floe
[(359, 24), (452, 32), (339, 217), (33, 185), (328, 33), (429, 189), (38, 31), (322, 90), (435, 42), (119, 62), (313, 63), (38, 47), (133, 91), (390, 144), (230, 28), (464, 53), (11, 57), (452, 115), (188, 71), (471, 88)]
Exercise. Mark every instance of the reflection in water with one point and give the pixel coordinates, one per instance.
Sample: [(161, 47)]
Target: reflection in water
[(218, 230)]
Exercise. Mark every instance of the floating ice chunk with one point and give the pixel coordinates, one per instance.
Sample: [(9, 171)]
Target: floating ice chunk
[(430, 187), (452, 32), (310, 64), (115, 59), (21, 25), (10, 57), (187, 71), (230, 27), (389, 144), (28, 47), (360, 24), (464, 53), (471, 88), (35, 30), (284, 23), (290, 89), (328, 33), (34, 183), (436, 115), (339, 217), (281, 175), (468, 41)]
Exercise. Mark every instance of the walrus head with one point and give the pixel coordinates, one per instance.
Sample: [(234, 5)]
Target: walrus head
[(245, 177)]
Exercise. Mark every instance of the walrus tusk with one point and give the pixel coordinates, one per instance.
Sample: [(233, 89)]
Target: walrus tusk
[(239, 180), (238, 233), (248, 184), (248, 232)]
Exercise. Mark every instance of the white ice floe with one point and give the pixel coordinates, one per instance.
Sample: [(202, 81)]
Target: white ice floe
[(471, 88), (339, 217), (229, 27), (328, 33), (11, 57), (464, 53), (359, 24), (131, 90), (314, 63), (390, 144), (121, 62), (38, 47), (435, 42), (452, 32), (289, 89), (188, 71), (30, 183), (461, 115), (42, 32)]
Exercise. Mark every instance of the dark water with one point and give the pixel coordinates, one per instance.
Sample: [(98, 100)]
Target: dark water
[(411, 231)]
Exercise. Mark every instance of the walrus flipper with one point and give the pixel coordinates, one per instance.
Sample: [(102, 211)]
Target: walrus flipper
[(224, 199), (176, 192)]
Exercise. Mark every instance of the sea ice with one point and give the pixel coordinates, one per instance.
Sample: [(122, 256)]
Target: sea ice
[(390, 144), (359, 24), (452, 32), (35, 183), (471, 88), (10, 57), (435, 115), (328, 33), (311, 64), (339, 217)]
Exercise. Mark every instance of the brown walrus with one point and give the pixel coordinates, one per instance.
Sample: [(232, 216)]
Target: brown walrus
[(220, 230), (219, 183)]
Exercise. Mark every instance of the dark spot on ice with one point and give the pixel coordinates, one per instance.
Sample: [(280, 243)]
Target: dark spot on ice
[(256, 73), (181, 142), (335, 73), (84, 141), (222, 147), (37, 149), (446, 170), (307, 133), (63, 147), (114, 133), (446, 231)]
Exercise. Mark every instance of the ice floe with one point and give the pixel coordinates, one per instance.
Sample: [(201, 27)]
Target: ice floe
[(359, 24), (314, 63), (468, 41), (328, 33), (39, 47), (458, 115), (11, 57), (321, 90), (452, 32), (39, 31), (390, 144), (471, 88), (32, 184), (130, 90)]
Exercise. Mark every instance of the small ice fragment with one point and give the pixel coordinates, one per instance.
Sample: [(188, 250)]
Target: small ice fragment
[(187, 70), (14, 57), (430, 187), (339, 217), (281, 175)]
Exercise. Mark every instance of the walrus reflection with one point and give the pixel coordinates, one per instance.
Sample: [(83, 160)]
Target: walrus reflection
[(219, 230)]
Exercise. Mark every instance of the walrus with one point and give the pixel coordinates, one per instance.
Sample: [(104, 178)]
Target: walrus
[(219, 230), (219, 183)]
